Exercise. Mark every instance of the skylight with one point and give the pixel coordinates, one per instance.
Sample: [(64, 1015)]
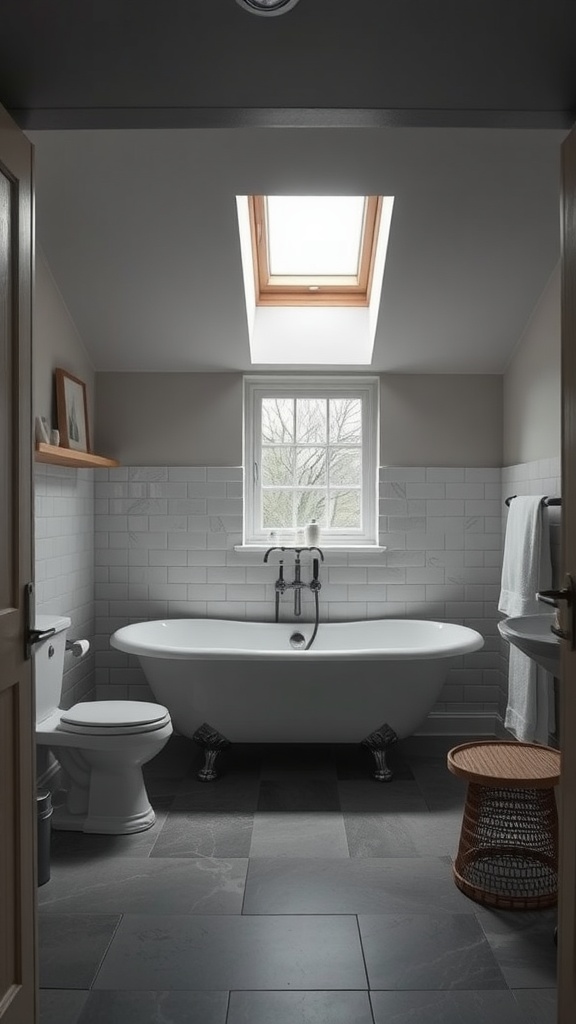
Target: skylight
[(314, 250), (313, 270), (314, 235)]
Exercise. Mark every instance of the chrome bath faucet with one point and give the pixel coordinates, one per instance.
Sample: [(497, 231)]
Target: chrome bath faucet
[(297, 585)]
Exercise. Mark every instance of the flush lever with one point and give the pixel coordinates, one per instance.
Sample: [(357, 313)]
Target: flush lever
[(563, 600)]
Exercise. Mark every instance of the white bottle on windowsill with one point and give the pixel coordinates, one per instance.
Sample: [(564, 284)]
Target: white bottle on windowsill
[(312, 534)]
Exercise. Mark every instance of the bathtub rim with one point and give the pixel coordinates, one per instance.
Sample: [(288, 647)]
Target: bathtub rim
[(470, 640)]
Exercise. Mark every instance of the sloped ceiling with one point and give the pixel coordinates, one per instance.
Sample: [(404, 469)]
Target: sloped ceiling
[(144, 121), (140, 231)]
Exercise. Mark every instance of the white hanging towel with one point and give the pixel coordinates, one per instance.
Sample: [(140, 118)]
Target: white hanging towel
[(526, 568)]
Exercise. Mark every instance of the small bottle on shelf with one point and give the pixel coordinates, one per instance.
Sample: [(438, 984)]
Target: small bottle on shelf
[(312, 534)]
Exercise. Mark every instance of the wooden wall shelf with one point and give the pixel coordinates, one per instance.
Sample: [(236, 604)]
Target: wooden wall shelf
[(68, 457)]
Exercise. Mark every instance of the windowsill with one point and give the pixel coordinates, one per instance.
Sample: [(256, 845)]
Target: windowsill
[(373, 549)]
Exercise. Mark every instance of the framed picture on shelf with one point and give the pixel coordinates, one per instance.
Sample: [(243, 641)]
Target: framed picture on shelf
[(72, 412)]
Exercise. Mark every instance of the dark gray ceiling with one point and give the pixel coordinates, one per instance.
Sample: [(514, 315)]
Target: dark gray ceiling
[(208, 63)]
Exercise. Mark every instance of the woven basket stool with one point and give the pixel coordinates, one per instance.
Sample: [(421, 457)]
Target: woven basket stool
[(508, 851)]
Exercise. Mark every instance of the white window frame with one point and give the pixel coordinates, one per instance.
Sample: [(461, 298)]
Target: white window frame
[(367, 389)]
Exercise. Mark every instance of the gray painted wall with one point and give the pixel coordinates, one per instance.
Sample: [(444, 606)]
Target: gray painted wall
[(188, 419), (441, 420), (56, 343), (532, 385), (170, 419)]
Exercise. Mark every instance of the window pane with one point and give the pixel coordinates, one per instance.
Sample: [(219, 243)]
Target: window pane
[(345, 466), (311, 467), (309, 235), (310, 505), (345, 509), (277, 510), (277, 419), (278, 466), (345, 420), (311, 416)]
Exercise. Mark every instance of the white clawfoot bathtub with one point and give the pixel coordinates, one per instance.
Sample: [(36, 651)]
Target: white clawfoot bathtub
[(246, 680)]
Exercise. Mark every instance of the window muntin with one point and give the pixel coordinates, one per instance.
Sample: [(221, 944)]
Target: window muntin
[(312, 445), (314, 250)]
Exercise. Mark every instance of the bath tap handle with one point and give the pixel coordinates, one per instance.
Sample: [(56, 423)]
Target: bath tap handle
[(280, 585), (315, 584)]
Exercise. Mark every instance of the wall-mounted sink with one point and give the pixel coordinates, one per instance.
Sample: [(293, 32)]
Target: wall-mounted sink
[(532, 635)]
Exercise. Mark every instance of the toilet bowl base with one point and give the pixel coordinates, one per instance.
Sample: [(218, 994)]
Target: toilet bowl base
[(64, 821)]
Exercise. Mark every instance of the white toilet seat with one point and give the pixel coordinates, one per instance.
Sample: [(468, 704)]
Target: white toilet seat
[(113, 718)]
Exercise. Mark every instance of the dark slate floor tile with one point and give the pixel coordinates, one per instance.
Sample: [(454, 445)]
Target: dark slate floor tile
[(523, 944), (538, 1006), (428, 951), (299, 1008), (226, 953), (446, 1008), (71, 947), (297, 834), (302, 794), (235, 792), (353, 761), (441, 790), (402, 835), (155, 1008), (146, 885), (396, 797), (378, 835), (75, 847), (205, 834), (59, 1006), (355, 886)]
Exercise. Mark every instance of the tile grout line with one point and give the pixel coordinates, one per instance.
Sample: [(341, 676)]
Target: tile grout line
[(106, 951)]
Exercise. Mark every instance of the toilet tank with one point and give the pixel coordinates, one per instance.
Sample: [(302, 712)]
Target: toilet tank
[(48, 658)]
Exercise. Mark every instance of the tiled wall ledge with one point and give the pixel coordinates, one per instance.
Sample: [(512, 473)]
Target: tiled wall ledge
[(167, 539)]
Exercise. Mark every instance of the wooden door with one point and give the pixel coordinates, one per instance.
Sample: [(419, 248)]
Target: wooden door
[(567, 903), (17, 774)]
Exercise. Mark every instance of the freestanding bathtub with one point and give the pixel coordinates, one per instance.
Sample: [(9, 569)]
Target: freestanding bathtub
[(250, 685)]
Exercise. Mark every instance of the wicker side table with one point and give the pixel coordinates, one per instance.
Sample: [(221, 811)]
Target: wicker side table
[(508, 851)]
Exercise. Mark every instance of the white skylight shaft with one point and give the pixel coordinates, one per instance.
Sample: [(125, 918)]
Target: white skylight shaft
[(314, 235)]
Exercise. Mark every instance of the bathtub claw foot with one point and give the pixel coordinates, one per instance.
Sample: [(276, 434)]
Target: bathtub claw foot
[(378, 743), (212, 743)]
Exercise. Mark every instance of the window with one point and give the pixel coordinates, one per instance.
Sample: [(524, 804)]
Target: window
[(311, 452), (314, 250)]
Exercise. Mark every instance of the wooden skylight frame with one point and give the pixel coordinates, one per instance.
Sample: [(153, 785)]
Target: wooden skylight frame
[(308, 290)]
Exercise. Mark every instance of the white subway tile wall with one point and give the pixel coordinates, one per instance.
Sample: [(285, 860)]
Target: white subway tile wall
[(539, 477), (165, 546), (140, 543), (64, 564)]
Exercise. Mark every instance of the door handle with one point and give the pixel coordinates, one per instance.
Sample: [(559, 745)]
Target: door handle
[(32, 636)]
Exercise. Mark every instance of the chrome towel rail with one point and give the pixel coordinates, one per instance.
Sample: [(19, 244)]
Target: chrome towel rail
[(546, 501)]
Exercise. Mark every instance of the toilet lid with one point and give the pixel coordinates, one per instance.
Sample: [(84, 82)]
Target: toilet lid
[(103, 714)]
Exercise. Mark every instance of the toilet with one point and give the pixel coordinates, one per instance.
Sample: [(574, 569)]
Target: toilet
[(101, 746)]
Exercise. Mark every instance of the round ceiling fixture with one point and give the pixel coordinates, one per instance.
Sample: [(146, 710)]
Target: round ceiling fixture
[(267, 7)]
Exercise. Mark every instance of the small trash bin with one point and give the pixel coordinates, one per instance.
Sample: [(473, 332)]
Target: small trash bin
[(44, 814)]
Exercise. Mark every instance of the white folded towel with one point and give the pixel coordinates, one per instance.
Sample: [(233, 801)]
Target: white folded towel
[(526, 568)]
